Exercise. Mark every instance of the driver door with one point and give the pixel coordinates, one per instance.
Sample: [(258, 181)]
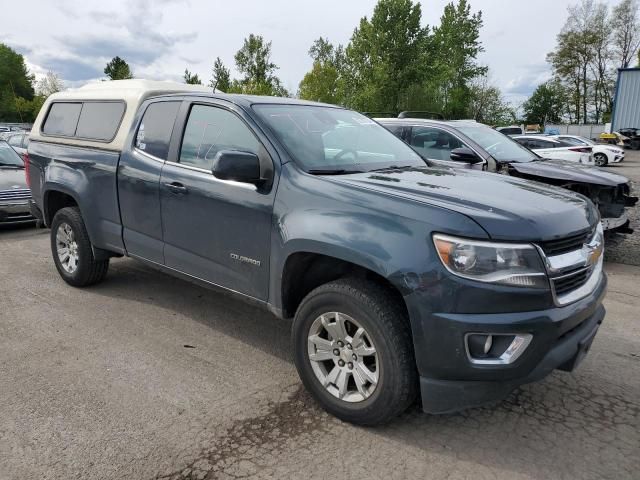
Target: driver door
[(216, 230), (436, 145)]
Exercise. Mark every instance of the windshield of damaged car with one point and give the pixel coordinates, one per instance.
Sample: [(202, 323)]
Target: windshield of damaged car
[(9, 157), (498, 145), (325, 139)]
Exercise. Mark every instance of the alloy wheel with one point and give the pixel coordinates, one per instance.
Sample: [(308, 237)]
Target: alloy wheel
[(343, 357), (67, 248), (600, 159)]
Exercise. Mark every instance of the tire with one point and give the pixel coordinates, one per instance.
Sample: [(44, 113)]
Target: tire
[(67, 228), (635, 144), (600, 159), (387, 331)]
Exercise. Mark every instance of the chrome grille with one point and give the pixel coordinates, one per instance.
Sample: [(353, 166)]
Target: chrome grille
[(17, 194), (571, 281), (566, 244)]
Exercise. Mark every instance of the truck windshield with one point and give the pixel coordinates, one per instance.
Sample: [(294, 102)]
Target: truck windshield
[(498, 145), (334, 140), (9, 157)]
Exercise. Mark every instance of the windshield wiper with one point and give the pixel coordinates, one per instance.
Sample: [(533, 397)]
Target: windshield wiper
[(332, 171), (11, 165), (393, 167)]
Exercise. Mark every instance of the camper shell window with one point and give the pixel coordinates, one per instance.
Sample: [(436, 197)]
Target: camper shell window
[(88, 120)]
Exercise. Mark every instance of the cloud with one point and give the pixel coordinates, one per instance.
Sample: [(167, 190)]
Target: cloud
[(69, 68), (526, 83)]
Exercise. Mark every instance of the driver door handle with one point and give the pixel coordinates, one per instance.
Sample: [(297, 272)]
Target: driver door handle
[(176, 187)]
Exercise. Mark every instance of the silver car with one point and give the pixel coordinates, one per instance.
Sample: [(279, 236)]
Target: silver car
[(19, 141), (14, 192)]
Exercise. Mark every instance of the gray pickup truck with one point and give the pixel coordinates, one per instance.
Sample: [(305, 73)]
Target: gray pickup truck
[(402, 279)]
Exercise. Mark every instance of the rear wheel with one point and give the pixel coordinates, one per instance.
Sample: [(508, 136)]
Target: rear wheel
[(72, 250), (354, 353), (600, 160), (635, 144)]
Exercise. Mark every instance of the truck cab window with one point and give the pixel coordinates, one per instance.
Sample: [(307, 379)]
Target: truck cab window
[(211, 129), (154, 132)]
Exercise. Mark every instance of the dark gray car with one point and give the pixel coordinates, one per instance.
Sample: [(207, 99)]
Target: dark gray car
[(14, 193), (467, 144)]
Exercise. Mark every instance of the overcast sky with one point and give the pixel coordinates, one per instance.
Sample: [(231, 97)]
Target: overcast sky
[(160, 38)]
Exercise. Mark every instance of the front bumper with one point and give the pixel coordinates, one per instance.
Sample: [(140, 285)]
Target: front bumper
[(449, 382), (15, 212)]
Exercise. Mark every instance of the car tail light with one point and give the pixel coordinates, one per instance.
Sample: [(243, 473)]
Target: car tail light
[(27, 168), (581, 149)]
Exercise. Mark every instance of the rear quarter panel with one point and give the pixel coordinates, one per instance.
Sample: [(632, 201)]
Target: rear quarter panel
[(89, 176)]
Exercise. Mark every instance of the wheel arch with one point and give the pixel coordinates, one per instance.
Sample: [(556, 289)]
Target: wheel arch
[(305, 269)]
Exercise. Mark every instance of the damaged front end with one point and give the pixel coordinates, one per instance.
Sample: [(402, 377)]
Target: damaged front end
[(610, 193)]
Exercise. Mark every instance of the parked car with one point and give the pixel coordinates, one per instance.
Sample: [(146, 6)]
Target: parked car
[(14, 193), (602, 154), (511, 130), (472, 145), (19, 142), (632, 137), (548, 147), (400, 277)]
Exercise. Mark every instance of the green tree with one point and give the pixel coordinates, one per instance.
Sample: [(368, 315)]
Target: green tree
[(455, 47), (253, 61), (486, 104), (546, 104), (384, 57), (16, 86), (118, 69), (191, 78), (49, 84), (221, 78), (322, 83), (625, 24)]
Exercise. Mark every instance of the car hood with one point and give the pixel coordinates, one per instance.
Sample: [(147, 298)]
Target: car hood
[(570, 171), (507, 208), (12, 179)]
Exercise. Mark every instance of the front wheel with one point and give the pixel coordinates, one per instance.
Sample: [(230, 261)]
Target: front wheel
[(72, 250), (353, 351), (600, 160)]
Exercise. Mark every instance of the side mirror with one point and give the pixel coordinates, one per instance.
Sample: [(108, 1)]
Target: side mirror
[(464, 154), (238, 166)]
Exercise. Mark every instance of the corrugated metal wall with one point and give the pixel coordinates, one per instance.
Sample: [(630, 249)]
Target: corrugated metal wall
[(626, 108)]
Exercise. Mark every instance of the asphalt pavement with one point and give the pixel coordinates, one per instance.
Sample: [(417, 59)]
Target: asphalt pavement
[(146, 376)]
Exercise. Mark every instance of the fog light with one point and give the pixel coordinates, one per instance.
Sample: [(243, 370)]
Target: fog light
[(496, 349), (479, 345)]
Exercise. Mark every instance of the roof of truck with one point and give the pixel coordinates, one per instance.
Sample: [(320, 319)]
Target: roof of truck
[(133, 93)]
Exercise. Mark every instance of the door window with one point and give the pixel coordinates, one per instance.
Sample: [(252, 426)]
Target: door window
[(154, 132), (210, 130), (433, 143)]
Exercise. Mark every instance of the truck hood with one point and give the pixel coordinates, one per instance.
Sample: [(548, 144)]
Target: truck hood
[(569, 171), (506, 208), (12, 178)]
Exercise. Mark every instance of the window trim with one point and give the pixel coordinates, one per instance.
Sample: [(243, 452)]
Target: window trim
[(82, 102)]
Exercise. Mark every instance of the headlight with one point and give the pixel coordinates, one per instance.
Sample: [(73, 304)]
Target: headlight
[(517, 265)]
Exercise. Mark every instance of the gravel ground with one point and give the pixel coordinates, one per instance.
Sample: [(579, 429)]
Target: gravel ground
[(626, 248)]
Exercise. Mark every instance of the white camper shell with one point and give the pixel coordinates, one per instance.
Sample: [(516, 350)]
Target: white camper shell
[(110, 106)]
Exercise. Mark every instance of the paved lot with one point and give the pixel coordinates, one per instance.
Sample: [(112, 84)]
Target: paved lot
[(146, 376)]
